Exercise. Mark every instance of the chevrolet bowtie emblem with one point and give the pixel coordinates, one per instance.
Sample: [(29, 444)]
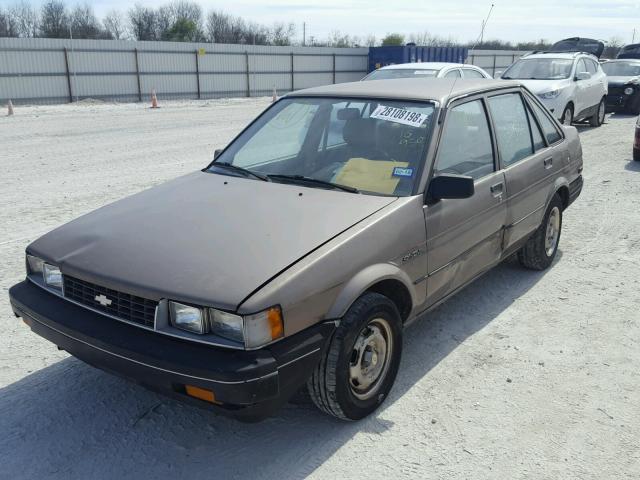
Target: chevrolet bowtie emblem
[(102, 300)]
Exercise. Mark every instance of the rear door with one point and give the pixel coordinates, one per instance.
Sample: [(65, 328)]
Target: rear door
[(530, 163), (464, 236)]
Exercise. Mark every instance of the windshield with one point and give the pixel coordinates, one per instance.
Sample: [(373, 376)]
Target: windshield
[(389, 73), (374, 146), (539, 69), (621, 69)]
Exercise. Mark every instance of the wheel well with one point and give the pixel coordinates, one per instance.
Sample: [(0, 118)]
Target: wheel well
[(395, 291), (563, 193), (570, 104)]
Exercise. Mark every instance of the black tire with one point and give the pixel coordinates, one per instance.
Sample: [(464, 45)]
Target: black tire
[(567, 115), (534, 254), (598, 118), (330, 385), (636, 154)]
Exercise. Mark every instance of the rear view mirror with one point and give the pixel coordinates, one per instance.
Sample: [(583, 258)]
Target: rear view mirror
[(217, 153), (583, 76), (451, 186), (348, 113)]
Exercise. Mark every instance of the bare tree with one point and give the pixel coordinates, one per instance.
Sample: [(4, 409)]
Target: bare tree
[(114, 24), (54, 20), (25, 19), (8, 28), (84, 23), (282, 34), (143, 22), (370, 40)]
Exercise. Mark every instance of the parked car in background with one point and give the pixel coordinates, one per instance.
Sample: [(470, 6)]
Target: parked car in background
[(623, 77), (298, 256), (629, 51), (427, 70), (571, 85)]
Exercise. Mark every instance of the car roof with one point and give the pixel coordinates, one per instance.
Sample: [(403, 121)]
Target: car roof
[(435, 89), (625, 60), (561, 55), (422, 66)]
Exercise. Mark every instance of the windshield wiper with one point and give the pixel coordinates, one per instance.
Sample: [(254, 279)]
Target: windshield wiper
[(244, 171), (302, 179)]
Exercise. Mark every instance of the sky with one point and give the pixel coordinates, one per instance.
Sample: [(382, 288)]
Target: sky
[(515, 20)]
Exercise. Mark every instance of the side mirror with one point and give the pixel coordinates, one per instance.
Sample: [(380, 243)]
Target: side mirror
[(583, 76), (216, 153), (451, 186)]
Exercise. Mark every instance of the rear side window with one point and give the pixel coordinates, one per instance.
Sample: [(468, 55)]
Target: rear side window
[(465, 147), (548, 127), (470, 73), (453, 74), (512, 127)]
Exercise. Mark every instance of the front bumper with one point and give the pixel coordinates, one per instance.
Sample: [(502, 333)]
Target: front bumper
[(249, 385), (619, 102)]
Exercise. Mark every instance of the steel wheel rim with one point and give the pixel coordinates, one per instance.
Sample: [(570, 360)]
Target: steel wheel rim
[(370, 358), (568, 117), (601, 113), (553, 232)]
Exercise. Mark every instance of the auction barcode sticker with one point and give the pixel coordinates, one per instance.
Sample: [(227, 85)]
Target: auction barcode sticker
[(399, 115)]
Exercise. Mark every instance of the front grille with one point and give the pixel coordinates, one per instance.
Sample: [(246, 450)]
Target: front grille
[(123, 305)]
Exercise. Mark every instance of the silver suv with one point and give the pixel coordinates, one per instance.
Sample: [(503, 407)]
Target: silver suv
[(300, 254)]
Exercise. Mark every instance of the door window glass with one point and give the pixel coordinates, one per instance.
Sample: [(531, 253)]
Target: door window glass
[(582, 66), (512, 127), (465, 147), (548, 127), (592, 68), (453, 74)]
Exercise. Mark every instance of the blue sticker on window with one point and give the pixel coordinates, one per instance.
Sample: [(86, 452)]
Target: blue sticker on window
[(402, 172)]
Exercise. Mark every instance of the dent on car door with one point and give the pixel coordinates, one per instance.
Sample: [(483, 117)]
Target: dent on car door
[(528, 160), (464, 236)]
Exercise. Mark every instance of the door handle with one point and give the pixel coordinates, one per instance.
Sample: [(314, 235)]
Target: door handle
[(548, 162), (497, 189)]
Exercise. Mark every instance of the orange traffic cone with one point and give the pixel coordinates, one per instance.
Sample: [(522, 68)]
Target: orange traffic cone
[(154, 99), (10, 108), (274, 98)]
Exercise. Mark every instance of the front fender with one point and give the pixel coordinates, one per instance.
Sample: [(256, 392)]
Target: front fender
[(365, 279)]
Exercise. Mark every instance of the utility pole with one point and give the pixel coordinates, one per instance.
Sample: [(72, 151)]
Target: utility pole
[(304, 34), (633, 38)]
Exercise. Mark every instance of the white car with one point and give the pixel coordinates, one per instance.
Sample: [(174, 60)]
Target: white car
[(427, 70), (571, 85)]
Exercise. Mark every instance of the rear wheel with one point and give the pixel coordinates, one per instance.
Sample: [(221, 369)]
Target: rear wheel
[(540, 250), (567, 116), (597, 118), (636, 154), (360, 365)]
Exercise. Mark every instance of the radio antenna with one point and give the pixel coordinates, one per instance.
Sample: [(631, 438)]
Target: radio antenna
[(482, 28)]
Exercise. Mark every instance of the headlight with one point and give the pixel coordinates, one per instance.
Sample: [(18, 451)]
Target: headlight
[(226, 325), (263, 327), (34, 264), (186, 317), (52, 276), (550, 95), (628, 91)]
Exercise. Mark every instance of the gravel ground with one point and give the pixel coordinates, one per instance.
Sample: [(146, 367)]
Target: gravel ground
[(522, 375)]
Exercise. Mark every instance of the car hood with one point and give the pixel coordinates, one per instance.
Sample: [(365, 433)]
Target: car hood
[(203, 238), (543, 86), (619, 81)]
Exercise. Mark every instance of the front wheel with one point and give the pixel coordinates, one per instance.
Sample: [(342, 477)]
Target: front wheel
[(597, 118), (567, 116), (540, 250), (360, 365)]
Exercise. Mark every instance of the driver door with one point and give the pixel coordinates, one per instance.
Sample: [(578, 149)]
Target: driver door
[(464, 236)]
